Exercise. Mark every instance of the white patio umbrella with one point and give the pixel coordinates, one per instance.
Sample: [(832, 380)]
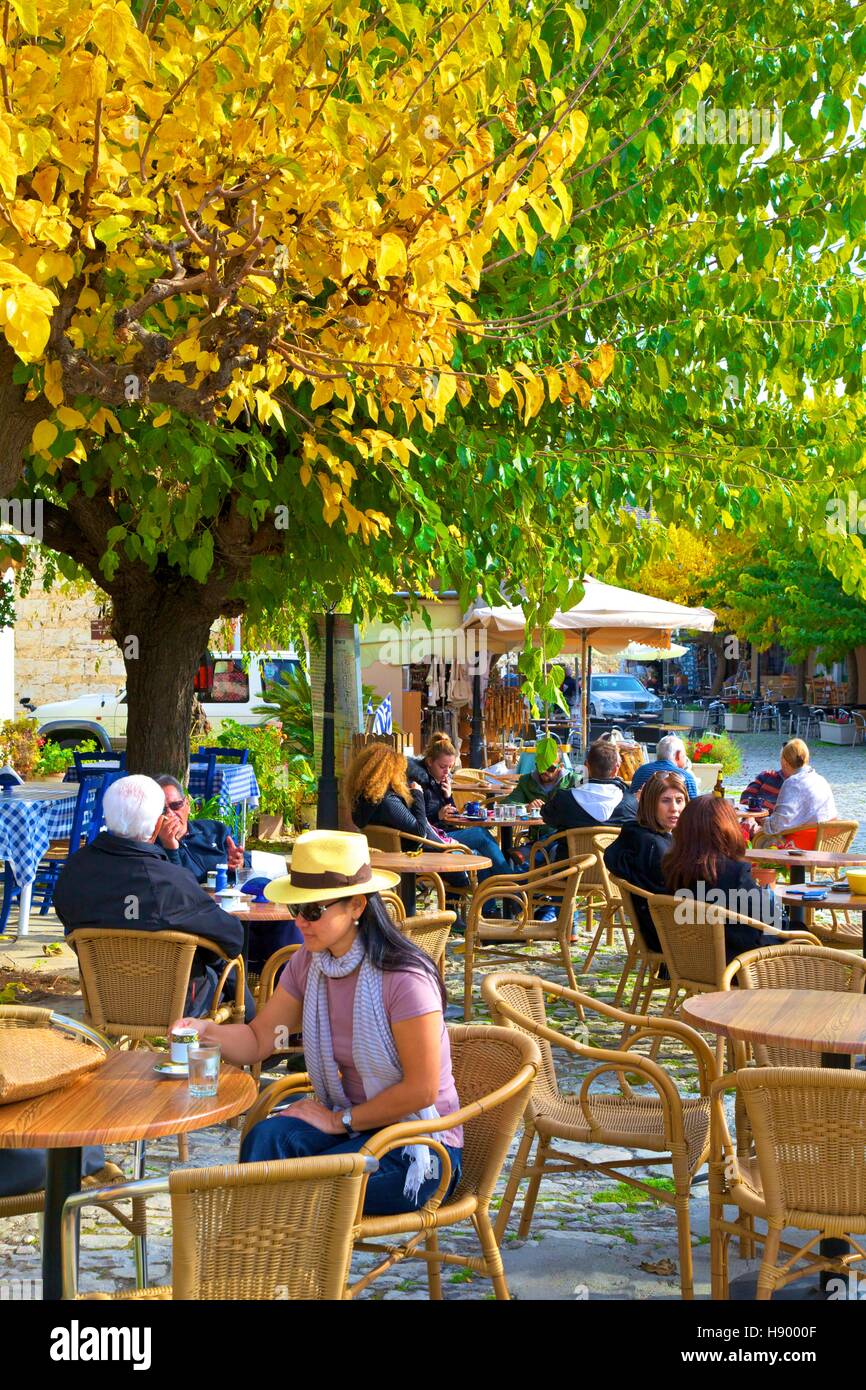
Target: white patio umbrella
[(607, 618), (636, 651)]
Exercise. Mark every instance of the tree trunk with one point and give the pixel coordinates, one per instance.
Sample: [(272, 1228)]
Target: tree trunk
[(717, 647), (162, 630), (18, 418)]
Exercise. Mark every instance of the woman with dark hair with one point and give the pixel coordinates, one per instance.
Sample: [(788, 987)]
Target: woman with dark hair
[(706, 861), (637, 852), (370, 1006)]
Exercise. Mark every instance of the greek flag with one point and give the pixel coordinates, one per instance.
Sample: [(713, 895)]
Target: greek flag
[(382, 720), (369, 709)]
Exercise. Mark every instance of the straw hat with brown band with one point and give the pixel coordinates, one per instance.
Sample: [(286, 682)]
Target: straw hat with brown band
[(328, 865)]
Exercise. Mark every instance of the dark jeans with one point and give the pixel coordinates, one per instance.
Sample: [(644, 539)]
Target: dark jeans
[(202, 991), (280, 1136), (480, 841), (24, 1170)]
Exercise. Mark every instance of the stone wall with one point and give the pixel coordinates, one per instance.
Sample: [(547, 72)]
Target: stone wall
[(55, 658)]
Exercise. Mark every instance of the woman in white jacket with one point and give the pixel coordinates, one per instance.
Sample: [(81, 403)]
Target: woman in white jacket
[(806, 797)]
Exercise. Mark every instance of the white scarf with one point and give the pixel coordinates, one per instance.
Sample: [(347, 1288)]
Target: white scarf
[(374, 1051)]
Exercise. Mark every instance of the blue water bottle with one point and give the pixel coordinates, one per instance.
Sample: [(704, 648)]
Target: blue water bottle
[(222, 877)]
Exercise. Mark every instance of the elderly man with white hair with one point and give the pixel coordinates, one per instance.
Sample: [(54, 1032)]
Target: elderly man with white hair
[(124, 878), (670, 757)]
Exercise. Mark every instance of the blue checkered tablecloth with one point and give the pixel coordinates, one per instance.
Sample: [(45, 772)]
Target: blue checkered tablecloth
[(27, 826), (234, 783)]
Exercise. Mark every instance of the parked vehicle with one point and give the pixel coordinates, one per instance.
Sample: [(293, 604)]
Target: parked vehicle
[(228, 687), (621, 697)]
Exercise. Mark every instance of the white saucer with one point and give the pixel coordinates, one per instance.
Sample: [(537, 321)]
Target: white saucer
[(170, 1071)]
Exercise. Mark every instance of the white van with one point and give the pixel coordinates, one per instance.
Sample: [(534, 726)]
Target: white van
[(228, 687)]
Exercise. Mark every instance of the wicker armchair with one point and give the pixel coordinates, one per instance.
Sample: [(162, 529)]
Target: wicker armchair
[(528, 890), (267, 984), (650, 964), (110, 1176), (494, 1070), (808, 1173), (280, 1230), (597, 886), (393, 905), (692, 936), (675, 1130), (135, 983), (834, 836), (430, 932)]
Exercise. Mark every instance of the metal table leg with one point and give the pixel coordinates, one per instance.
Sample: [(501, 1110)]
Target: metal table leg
[(64, 1178)]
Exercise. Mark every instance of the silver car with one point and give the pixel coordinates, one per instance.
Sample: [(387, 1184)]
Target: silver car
[(621, 697)]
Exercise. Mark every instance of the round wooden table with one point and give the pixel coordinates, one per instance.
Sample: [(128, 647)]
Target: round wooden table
[(121, 1100), (842, 902), (409, 866), (819, 1020), (798, 863), (252, 914), (506, 828)]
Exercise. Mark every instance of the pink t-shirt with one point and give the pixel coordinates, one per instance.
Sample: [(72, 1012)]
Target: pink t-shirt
[(405, 994)]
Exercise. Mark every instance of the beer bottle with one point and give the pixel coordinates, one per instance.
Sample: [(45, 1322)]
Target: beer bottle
[(719, 788)]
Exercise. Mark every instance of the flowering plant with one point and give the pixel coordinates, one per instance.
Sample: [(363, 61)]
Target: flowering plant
[(720, 748)]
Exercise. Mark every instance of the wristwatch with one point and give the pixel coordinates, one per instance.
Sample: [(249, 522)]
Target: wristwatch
[(346, 1119)]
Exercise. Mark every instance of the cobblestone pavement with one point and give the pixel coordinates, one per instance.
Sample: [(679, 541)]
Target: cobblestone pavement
[(591, 1237)]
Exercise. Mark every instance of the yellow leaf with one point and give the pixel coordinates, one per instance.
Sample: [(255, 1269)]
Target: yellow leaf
[(534, 389), (554, 386), (110, 28), (391, 256), (53, 377), (188, 350), (26, 12), (44, 435), (8, 172), (322, 394), (601, 366), (261, 282), (305, 473), (353, 258), (70, 419), (564, 198), (44, 183), (162, 419), (88, 299)]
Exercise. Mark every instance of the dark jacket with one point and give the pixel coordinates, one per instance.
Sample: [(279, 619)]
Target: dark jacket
[(434, 797), (111, 878), (202, 848), (736, 890), (393, 813), (636, 855), (606, 802)]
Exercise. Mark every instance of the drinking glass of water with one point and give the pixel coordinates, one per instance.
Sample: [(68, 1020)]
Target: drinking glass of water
[(204, 1071)]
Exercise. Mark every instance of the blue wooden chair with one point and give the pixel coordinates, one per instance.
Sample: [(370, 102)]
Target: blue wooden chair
[(228, 755), (85, 761), (205, 758)]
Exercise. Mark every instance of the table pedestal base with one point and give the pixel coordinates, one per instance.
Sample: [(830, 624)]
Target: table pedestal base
[(63, 1178)]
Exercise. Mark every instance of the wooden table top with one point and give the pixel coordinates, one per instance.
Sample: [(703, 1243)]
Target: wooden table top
[(818, 1019), (856, 902), (750, 815), (122, 1100), (468, 821), (813, 858), (255, 912), (434, 862)]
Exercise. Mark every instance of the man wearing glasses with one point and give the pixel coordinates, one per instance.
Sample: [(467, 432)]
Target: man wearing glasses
[(197, 845)]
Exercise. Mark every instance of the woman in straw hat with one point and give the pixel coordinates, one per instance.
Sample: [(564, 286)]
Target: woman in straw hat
[(370, 1006)]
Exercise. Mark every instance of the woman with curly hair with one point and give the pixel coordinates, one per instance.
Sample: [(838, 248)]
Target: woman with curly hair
[(379, 793)]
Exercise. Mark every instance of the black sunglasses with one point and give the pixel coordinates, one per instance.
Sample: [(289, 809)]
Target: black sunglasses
[(175, 805), (311, 912)]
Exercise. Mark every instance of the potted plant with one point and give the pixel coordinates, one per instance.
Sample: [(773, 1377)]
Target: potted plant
[(711, 755), (53, 761), (737, 717), (694, 715), (838, 728)]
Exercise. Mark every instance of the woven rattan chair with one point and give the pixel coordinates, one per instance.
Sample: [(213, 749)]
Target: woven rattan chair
[(267, 984), (651, 973), (430, 932), (280, 1230), (597, 887), (808, 1172), (393, 905), (529, 890), (109, 1176), (494, 1070), (692, 936), (834, 836), (675, 1130), (135, 983)]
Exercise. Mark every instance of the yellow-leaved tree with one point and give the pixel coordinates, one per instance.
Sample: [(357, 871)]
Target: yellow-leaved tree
[(205, 209)]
